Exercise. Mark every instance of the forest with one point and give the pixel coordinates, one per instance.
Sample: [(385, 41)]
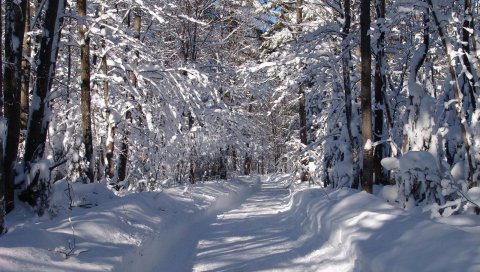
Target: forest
[(138, 96)]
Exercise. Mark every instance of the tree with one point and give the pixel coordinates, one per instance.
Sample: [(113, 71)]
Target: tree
[(469, 75), (2, 178), (14, 32), (36, 192), (380, 90), (2, 183), (366, 97), (122, 164), (416, 91), (111, 125), (347, 87), (85, 88), (461, 114), (301, 91), (25, 88)]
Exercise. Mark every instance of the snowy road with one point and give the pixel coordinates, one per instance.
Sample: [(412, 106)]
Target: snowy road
[(257, 235), (262, 233)]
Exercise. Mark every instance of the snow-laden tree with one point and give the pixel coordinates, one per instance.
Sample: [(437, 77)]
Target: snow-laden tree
[(143, 94)]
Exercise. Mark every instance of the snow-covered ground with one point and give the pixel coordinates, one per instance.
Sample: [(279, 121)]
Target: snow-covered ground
[(248, 224)]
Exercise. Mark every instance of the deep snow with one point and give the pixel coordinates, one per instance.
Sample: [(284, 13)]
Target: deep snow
[(249, 224)]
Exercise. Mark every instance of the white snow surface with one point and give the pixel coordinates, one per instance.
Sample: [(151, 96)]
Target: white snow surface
[(261, 223)]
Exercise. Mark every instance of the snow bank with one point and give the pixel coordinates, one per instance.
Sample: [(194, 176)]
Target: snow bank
[(363, 233), (103, 231)]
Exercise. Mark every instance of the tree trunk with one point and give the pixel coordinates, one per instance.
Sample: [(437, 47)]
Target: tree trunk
[(366, 97), (25, 88), (110, 141), (110, 146), (85, 88), (301, 91), (247, 166), (380, 89), (347, 88), (1, 75), (417, 63), (234, 159), (473, 42), (470, 78), (2, 178), (69, 59), (122, 164), (14, 32), (299, 15), (302, 114), (38, 118)]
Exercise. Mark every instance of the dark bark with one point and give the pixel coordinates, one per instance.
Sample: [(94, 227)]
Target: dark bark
[(38, 120), (473, 42), (380, 89), (1, 71), (469, 82), (2, 179), (69, 67), (366, 97), (137, 24), (234, 159), (110, 147), (85, 89), (14, 32), (247, 166), (299, 15), (25, 88), (123, 160), (347, 87), (302, 114), (2, 188), (191, 173), (301, 91)]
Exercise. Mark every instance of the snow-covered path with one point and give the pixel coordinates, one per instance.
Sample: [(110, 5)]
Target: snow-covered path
[(264, 232), (259, 228), (258, 235)]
